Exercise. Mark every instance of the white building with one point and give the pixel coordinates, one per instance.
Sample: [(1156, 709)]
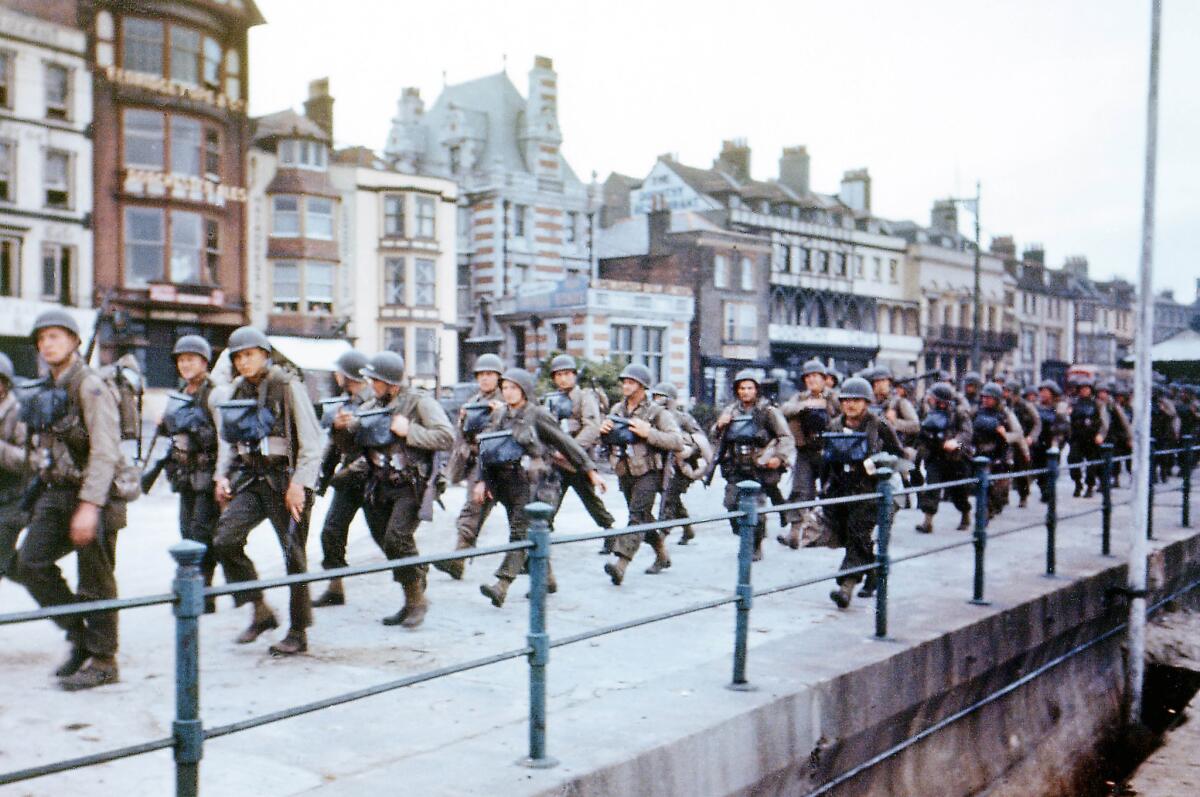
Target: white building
[(45, 178)]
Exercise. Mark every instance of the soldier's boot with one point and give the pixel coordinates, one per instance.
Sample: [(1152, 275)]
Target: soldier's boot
[(1087, 493), (792, 540), (497, 592), (1116, 478), (412, 614), (964, 523), (334, 595), (1078, 489), (262, 622), (926, 526), (606, 547), (455, 568), (841, 595), (616, 569), (99, 670), (758, 552), (662, 559), (1023, 502), (295, 642), (688, 536), (869, 585), (75, 660)]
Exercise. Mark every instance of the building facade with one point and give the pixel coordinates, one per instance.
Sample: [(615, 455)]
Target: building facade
[(45, 173), (170, 137), (1172, 317), (1044, 313)]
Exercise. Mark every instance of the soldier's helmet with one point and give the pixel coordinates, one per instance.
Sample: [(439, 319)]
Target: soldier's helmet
[(856, 387), (1083, 380), (836, 374), (193, 344), (638, 373), (1051, 385), (972, 378), (563, 362), (881, 373), (665, 389), (942, 391), (522, 379), (55, 317), (386, 366), (350, 364), (1014, 386), (992, 390), (488, 362), (1108, 387), (244, 338), (746, 375), (813, 367), (1122, 389), (6, 369)]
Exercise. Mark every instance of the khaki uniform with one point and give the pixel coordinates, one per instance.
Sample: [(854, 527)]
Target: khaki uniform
[(584, 427), (78, 459), (348, 483), (945, 466), (190, 465), (749, 461), (1089, 419), (464, 460), (639, 469), (13, 473), (807, 416), (683, 468)]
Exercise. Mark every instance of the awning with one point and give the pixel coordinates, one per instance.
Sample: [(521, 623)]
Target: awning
[(309, 354)]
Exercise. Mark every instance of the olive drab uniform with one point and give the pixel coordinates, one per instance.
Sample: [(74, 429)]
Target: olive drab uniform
[(261, 460), (1055, 427), (398, 472), (1164, 428), (683, 468), (191, 463), (583, 425), (75, 441), (1089, 419), (348, 481), (745, 447), (639, 466), (807, 416), (464, 462), (939, 426), (993, 434), (1031, 429), (1120, 434), (14, 468)]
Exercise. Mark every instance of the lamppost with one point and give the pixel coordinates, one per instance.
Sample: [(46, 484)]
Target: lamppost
[(972, 204)]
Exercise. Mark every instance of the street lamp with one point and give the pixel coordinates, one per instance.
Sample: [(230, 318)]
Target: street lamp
[(972, 204)]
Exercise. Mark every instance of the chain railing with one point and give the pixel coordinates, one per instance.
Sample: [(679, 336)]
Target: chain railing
[(188, 595)]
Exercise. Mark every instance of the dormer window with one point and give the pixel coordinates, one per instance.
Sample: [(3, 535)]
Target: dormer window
[(303, 154)]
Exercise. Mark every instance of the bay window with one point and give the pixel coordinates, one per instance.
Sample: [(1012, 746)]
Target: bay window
[(178, 246), (425, 282), (302, 287)]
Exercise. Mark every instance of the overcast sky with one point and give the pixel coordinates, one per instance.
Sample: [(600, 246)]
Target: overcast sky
[(1044, 102)]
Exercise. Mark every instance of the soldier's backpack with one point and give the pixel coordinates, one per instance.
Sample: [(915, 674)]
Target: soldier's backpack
[(124, 380)]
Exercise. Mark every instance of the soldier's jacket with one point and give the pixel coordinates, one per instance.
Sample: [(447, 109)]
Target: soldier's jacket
[(854, 479), (697, 451), (1027, 416), (194, 456), (959, 428), (298, 439), (342, 440), (1056, 424), (541, 437), (907, 425), (1120, 433), (799, 413), (1089, 418), (1164, 422), (429, 429), (646, 455), (777, 442), (992, 444), (584, 424), (14, 464), (464, 451)]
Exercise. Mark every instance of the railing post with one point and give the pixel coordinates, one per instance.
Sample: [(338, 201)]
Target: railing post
[(1106, 500), (883, 560), (1051, 508), (984, 474), (538, 640), (747, 504), (188, 587), (1185, 458), (1150, 493)]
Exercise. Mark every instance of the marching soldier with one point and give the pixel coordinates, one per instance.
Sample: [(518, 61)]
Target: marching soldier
[(1055, 416), (758, 447), (833, 378), (1122, 399), (945, 445), (515, 469), (1120, 433), (340, 471), (898, 412), (578, 414), (398, 430), (1089, 427), (74, 428), (13, 468), (687, 465), (995, 430), (267, 463), (472, 418), (807, 413), (1164, 428), (640, 435), (1031, 429), (972, 384), (848, 471)]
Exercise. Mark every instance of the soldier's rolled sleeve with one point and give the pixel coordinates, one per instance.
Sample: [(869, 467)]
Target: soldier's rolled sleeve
[(907, 421), (785, 444), (431, 428), (102, 421), (309, 437), (664, 433), (13, 457)]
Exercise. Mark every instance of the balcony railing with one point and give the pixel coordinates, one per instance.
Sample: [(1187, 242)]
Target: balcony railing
[(988, 339)]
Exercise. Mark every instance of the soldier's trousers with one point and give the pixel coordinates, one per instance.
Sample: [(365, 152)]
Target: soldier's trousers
[(198, 513), (592, 502), (393, 514), (1041, 459), (672, 507), (512, 488), (1083, 451), (472, 516), (639, 492), (1021, 483), (852, 525), (938, 470), (731, 504), (12, 520), (998, 488), (804, 479), (336, 532), (255, 503), (48, 540)]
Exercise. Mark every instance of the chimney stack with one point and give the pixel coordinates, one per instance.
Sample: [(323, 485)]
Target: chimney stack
[(1005, 246), (944, 218), (793, 170), (1076, 265), (734, 159), (856, 190), (1036, 253), (319, 106)]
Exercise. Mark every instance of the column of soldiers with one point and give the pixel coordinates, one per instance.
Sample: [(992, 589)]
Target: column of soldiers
[(255, 450)]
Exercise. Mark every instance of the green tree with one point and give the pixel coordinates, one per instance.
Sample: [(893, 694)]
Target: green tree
[(601, 374)]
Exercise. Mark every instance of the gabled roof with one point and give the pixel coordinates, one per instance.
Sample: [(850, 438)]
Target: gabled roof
[(286, 124), (716, 183)]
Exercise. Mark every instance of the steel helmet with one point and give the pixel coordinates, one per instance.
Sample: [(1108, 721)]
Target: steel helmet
[(813, 367), (746, 374), (488, 362), (193, 344), (244, 338), (563, 362), (350, 364), (972, 378), (856, 387), (55, 317), (638, 373), (992, 390), (881, 373), (386, 366), (522, 379), (1051, 385), (6, 368), (942, 391), (1013, 385), (665, 389)]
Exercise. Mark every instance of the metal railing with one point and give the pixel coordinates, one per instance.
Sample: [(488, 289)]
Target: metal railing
[(188, 595)]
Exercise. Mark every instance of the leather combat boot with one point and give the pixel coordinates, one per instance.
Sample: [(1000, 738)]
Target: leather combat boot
[(263, 621), (869, 584), (1078, 489), (333, 595), (841, 595), (688, 536), (75, 659), (455, 568), (758, 554), (965, 523), (295, 642), (415, 606), (662, 560), (98, 671), (616, 569), (926, 526), (496, 592), (792, 540), (1087, 493), (1024, 500)]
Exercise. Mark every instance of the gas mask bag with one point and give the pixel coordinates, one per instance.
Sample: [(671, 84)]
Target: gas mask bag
[(475, 417), (559, 405), (620, 434), (243, 421), (183, 415), (844, 448), (743, 429), (813, 420), (987, 423), (375, 429), (935, 423), (42, 405), (499, 448)]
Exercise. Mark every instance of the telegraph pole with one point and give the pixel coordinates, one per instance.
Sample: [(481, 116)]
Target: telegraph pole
[(1142, 465)]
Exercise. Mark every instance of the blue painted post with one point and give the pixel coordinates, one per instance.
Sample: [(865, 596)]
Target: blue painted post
[(1185, 459), (748, 504), (189, 605), (539, 641), (1051, 508), (883, 559), (984, 474), (1106, 475), (1150, 493)]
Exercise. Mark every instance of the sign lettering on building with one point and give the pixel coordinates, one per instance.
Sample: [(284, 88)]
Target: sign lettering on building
[(155, 183), (173, 88)]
